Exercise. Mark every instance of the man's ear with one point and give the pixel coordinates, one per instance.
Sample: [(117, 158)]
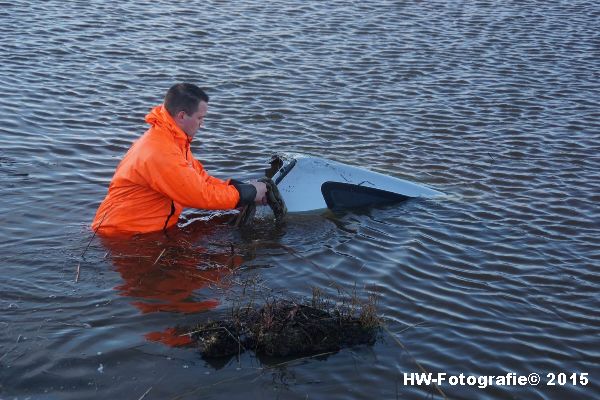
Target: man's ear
[(181, 114)]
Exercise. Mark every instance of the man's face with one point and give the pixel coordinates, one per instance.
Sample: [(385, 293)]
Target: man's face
[(191, 123)]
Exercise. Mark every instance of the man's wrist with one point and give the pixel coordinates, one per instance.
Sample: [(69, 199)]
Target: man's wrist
[(247, 193)]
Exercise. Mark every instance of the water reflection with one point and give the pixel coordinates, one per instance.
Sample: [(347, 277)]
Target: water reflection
[(172, 272)]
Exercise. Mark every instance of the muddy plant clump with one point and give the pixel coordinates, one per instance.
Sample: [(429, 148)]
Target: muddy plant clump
[(286, 328)]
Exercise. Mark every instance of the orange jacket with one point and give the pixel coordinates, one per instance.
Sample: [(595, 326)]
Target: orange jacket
[(156, 179)]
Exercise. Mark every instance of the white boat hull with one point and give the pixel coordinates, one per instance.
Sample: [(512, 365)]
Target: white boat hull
[(309, 183)]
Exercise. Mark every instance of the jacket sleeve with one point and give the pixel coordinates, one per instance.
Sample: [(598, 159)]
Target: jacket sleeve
[(247, 192), (200, 169), (170, 174)]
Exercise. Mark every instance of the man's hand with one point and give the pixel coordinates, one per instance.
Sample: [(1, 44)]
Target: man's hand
[(261, 192)]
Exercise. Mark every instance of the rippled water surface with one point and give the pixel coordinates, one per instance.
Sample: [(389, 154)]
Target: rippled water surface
[(495, 103)]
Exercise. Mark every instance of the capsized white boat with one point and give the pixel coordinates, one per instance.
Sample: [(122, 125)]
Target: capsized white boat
[(309, 183)]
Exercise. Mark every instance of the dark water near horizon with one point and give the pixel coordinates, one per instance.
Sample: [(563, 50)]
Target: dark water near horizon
[(495, 103)]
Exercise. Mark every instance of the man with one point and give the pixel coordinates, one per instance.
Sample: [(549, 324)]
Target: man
[(159, 176)]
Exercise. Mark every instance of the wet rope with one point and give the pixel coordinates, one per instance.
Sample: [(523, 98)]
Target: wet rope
[(274, 200)]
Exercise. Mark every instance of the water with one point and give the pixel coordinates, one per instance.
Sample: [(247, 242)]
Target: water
[(495, 103)]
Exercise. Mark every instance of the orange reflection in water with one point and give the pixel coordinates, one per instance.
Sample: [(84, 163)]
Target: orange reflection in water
[(166, 273)]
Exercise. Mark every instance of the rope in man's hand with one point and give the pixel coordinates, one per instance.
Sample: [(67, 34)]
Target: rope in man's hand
[(274, 200)]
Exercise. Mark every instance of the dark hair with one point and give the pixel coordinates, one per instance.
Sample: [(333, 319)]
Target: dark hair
[(184, 97)]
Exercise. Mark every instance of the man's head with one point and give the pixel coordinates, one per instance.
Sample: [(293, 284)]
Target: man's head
[(187, 104)]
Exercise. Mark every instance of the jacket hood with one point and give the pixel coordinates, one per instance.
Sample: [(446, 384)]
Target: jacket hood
[(160, 118)]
